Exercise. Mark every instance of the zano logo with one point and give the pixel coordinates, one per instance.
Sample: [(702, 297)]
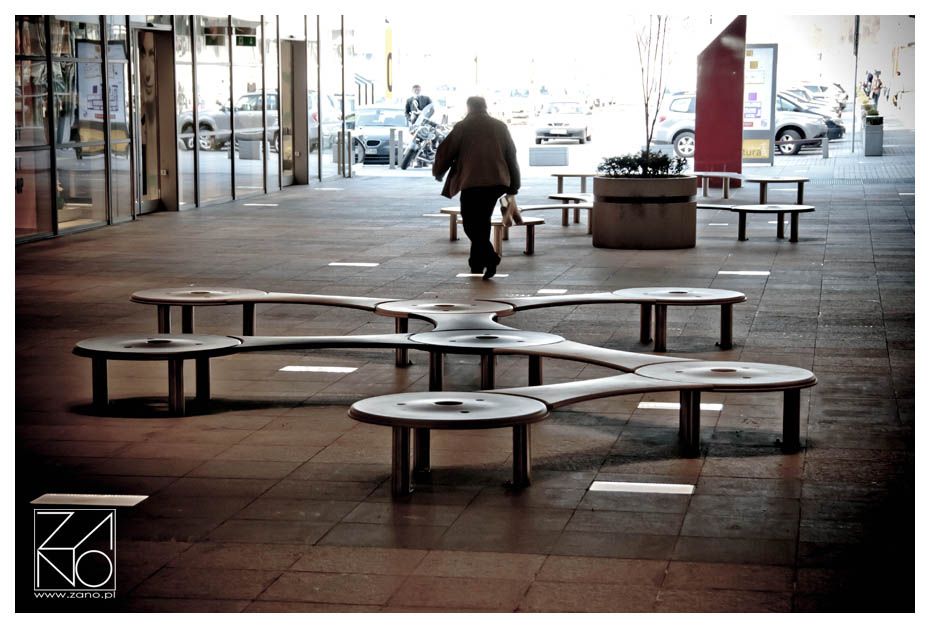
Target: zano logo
[(75, 550)]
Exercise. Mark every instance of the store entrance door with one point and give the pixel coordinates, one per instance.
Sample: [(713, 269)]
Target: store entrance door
[(156, 151)]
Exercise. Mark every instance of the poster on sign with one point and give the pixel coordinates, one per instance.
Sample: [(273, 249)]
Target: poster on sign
[(759, 103)]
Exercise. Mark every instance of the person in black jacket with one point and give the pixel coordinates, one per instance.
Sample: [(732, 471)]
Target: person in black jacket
[(481, 159), (415, 104)]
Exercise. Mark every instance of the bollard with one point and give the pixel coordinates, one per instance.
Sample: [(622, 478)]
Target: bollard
[(392, 146), (825, 144), (350, 157)]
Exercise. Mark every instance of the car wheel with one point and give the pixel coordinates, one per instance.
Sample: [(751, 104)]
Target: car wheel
[(187, 142), (786, 136), (588, 137), (358, 152), (276, 142), (684, 144), (539, 140), (581, 140), (207, 142)]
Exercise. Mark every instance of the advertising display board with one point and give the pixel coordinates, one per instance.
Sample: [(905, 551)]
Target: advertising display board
[(759, 103)]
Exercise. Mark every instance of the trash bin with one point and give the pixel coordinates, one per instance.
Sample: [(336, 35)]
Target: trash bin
[(874, 135)]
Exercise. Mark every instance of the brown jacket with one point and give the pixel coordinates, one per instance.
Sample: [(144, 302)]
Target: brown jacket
[(478, 152)]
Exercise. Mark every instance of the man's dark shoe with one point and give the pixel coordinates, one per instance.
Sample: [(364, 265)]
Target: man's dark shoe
[(476, 270), (491, 271)]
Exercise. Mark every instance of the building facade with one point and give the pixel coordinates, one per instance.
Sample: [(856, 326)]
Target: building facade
[(193, 110)]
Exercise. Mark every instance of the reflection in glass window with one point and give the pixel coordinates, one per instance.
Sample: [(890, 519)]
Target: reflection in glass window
[(81, 186), (78, 101), (32, 184), (71, 31), (31, 103), (121, 181), (381, 117), (30, 35), (270, 28)]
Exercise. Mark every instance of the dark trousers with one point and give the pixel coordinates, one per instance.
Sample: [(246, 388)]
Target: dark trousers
[(477, 208)]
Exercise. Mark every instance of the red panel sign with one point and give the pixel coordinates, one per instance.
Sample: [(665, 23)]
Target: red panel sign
[(718, 124)]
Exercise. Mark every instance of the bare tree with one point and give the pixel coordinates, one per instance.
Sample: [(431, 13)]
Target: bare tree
[(650, 43)]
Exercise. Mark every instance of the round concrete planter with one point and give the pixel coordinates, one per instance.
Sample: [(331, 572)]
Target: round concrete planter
[(640, 213)]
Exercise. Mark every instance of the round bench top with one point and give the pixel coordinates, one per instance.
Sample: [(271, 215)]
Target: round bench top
[(194, 295), (467, 340), (156, 347), (772, 209), (761, 179), (732, 376), (432, 307), (683, 296), (449, 410), (709, 173)]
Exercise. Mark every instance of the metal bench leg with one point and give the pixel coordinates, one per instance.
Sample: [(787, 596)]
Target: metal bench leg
[(801, 187), (536, 371), (497, 237), (763, 193), (530, 240), (742, 226), (487, 371), (564, 216), (781, 226), (187, 319), (176, 387), (726, 326), (435, 370), (726, 187), (99, 383), (248, 319), (590, 220), (400, 461), (689, 423), (453, 227), (576, 214), (401, 325), (506, 231), (584, 184), (203, 381), (794, 227), (661, 328), (164, 318), (645, 323), (421, 464), (791, 422), (559, 183), (522, 454), (705, 185)]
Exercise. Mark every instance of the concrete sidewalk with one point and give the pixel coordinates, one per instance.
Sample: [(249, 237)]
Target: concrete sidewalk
[(276, 501)]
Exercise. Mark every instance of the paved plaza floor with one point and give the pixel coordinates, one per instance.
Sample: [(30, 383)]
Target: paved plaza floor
[(274, 500)]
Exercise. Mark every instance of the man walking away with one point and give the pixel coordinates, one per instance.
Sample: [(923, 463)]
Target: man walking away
[(481, 158)]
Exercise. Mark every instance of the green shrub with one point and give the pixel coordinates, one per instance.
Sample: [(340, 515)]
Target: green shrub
[(642, 164)]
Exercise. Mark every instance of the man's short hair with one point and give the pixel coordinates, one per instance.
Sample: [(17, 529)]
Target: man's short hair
[(476, 103), (416, 87)]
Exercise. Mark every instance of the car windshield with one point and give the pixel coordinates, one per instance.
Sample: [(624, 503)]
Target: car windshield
[(565, 107), (381, 117)]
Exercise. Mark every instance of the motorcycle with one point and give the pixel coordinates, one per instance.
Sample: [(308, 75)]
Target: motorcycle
[(425, 137)]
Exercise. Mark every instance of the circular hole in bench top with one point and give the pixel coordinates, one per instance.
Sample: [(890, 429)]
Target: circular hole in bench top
[(444, 306), (678, 292), (199, 292), (723, 370), (158, 341), (448, 403), (463, 411), (487, 337)]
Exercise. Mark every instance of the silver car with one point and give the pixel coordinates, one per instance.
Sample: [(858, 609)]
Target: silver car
[(564, 120), (675, 125)]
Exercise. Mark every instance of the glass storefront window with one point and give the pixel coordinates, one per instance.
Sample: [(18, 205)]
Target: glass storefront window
[(292, 26), (214, 115), (212, 39), (78, 101), (182, 39), (81, 186), (33, 184), (330, 90), (186, 136), (121, 181), (116, 29), (31, 105), (30, 35), (273, 154), (249, 107), (76, 36)]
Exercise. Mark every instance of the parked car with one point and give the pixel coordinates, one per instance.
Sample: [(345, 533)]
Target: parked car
[(564, 119), (835, 127), (214, 122), (833, 92), (373, 124), (675, 126)]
